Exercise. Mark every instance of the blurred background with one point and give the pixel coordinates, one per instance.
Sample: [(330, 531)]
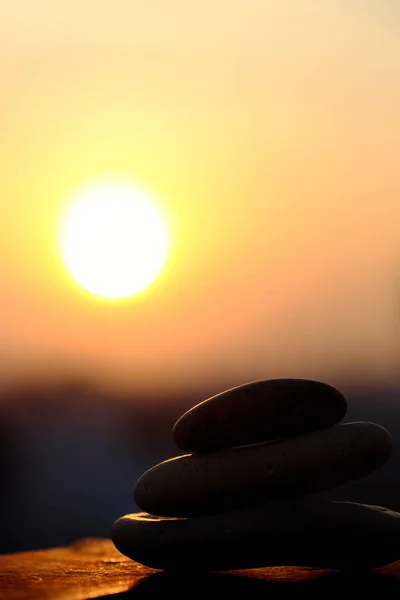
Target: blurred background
[(270, 132)]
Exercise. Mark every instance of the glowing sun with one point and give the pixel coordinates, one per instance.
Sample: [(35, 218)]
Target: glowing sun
[(114, 239)]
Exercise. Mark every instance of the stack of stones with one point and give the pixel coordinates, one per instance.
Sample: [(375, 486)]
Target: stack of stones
[(245, 495)]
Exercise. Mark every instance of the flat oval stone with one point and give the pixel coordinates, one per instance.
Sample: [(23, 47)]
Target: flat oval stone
[(202, 484), (310, 533), (258, 412)]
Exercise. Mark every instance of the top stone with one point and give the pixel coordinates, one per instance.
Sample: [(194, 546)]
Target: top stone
[(258, 412)]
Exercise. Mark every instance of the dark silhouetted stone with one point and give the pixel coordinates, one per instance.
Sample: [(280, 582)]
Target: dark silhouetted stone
[(314, 533), (258, 412), (202, 484)]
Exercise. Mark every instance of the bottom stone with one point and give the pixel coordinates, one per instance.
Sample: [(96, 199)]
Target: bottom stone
[(309, 532)]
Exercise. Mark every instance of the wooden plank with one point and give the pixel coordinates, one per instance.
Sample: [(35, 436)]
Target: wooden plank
[(93, 568)]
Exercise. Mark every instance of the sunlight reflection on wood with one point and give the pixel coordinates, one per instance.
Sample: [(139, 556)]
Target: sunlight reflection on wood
[(93, 568)]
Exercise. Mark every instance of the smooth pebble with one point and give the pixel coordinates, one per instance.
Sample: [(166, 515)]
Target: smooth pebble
[(309, 533), (257, 412), (202, 484)]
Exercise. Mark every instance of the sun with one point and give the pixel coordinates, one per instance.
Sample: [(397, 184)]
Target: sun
[(114, 239)]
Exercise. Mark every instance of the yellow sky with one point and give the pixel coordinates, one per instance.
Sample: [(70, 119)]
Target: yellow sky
[(270, 130)]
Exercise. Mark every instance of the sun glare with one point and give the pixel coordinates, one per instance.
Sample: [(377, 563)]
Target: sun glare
[(114, 239)]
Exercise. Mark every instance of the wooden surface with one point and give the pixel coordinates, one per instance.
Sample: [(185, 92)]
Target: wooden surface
[(93, 568)]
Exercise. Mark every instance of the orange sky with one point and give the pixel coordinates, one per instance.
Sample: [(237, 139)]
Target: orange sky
[(270, 130)]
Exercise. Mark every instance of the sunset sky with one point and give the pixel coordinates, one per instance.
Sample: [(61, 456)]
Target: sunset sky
[(269, 134)]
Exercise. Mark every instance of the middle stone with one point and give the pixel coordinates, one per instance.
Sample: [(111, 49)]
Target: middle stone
[(204, 484)]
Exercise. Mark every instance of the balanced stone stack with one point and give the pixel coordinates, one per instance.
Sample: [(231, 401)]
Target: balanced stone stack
[(245, 495)]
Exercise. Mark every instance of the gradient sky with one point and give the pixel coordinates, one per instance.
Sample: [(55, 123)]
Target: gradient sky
[(271, 132)]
